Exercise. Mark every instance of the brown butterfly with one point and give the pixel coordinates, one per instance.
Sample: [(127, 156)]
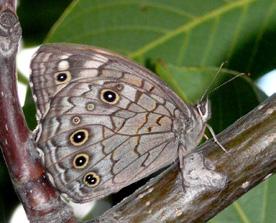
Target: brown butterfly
[(106, 122)]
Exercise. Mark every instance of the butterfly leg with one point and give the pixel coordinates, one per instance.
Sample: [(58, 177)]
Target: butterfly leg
[(215, 138), (182, 151)]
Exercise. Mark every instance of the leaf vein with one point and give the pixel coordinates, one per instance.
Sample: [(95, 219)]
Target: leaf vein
[(188, 26)]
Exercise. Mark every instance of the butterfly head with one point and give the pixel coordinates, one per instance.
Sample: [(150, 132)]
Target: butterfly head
[(204, 109), (190, 129)]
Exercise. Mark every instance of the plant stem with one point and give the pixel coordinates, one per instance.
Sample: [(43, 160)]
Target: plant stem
[(41, 201)]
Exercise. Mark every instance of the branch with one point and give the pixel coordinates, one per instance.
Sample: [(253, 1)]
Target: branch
[(212, 179), (41, 201)]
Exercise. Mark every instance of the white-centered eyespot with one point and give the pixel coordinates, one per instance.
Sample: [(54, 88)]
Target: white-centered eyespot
[(80, 161), (79, 137), (91, 179), (109, 96), (63, 77)]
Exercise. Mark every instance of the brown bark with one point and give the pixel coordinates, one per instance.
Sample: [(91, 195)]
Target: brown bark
[(41, 201)]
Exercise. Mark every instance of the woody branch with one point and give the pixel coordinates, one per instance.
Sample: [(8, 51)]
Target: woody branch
[(40, 200)]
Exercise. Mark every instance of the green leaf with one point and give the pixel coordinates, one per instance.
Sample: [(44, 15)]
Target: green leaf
[(22, 79), (180, 32), (191, 83), (233, 100)]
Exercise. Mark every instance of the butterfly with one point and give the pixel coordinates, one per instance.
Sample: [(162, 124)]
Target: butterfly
[(106, 122)]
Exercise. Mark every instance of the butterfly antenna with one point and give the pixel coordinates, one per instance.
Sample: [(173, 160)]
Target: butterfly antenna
[(213, 81), (231, 79), (204, 95)]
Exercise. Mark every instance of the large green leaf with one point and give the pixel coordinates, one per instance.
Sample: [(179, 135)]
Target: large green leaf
[(181, 32), (193, 83)]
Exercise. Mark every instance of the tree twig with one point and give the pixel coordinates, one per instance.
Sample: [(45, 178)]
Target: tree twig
[(41, 201), (212, 179)]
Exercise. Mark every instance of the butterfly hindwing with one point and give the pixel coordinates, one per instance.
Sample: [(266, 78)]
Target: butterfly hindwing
[(125, 141)]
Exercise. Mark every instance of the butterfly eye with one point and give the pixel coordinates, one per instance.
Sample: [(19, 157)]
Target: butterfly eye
[(62, 77), (80, 161), (79, 137), (109, 96), (91, 179)]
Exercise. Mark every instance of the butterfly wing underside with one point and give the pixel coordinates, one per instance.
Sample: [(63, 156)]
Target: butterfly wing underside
[(104, 122)]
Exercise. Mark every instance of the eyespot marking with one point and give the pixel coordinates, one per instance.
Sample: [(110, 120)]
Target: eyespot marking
[(90, 106), (76, 120), (79, 137), (80, 161), (109, 96), (63, 77), (91, 179)]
